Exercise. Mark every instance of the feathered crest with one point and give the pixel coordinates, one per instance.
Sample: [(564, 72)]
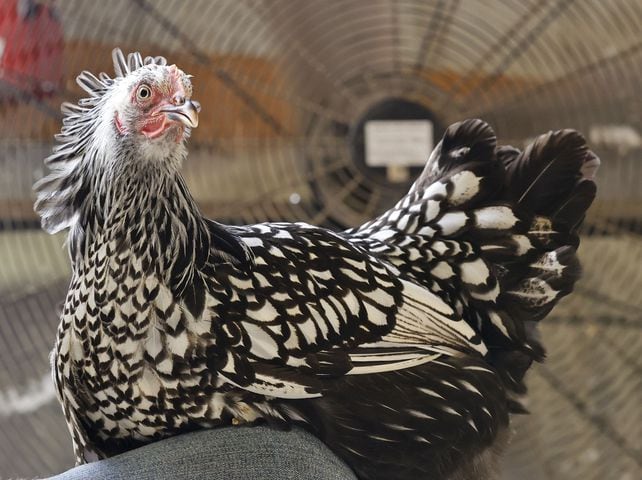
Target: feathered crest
[(77, 118), (59, 192), (123, 67)]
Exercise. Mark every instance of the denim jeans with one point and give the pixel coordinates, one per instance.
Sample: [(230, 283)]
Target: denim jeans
[(235, 453)]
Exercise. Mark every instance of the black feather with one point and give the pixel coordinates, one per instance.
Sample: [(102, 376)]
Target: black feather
[(470, 141), (571, 211), (228, 245), (545, 174), (333, 363), (465, 141), (472, 133), (194, 296), (507, 153)]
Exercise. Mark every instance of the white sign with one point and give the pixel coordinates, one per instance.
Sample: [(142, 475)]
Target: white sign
[(404, 143)]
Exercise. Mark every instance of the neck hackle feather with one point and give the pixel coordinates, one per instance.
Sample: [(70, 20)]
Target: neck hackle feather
[(61, 193)]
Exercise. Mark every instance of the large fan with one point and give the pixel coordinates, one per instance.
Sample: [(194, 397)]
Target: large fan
[(290, 90)]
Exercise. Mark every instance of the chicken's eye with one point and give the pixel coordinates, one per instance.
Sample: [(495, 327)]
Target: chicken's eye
[(143, 93)]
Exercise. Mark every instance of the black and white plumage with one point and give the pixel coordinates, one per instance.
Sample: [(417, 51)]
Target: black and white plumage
[(402, 343)]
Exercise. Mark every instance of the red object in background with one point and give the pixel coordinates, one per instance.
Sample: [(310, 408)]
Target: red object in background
[(31, 46)]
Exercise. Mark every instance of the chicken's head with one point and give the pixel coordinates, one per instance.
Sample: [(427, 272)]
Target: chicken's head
[(151, 100), (132, 124), (146, 109)]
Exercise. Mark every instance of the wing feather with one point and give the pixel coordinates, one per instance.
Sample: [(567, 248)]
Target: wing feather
[(334, 310)]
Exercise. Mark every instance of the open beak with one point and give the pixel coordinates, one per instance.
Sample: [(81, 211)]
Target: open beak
[(187, 113)]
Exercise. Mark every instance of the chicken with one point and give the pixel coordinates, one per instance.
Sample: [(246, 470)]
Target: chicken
[(402, 344)]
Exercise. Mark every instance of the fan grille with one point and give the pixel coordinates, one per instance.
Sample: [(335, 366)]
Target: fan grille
[(284, 86)]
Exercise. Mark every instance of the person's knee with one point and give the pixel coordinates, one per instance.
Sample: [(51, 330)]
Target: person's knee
[(235, 453)]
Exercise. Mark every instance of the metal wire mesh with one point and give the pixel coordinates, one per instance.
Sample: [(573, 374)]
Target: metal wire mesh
[(283, 84)]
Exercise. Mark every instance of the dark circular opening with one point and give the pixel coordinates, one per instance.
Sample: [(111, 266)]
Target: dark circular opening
[(388, 109)]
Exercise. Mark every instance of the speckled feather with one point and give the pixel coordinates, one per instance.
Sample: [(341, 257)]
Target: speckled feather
[(402, 344)]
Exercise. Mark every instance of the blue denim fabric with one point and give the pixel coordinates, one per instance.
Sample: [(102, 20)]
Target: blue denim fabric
[(241, 453)]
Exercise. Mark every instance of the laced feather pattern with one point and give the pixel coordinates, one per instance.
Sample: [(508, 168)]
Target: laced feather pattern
[(402, 343)]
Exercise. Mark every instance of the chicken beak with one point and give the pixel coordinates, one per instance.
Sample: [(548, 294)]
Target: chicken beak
[(186, 113)]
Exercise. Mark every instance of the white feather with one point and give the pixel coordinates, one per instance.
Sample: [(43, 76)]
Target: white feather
[(466, 186), (496, 217), (263, 345)]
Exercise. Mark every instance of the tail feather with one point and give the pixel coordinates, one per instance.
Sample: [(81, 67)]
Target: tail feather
[(546, 172), (493, 230), (463, 142), (572, 210), (552, 178)]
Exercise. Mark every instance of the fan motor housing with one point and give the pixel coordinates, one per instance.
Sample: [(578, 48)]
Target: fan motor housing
[(360, 190), (389, 109)]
